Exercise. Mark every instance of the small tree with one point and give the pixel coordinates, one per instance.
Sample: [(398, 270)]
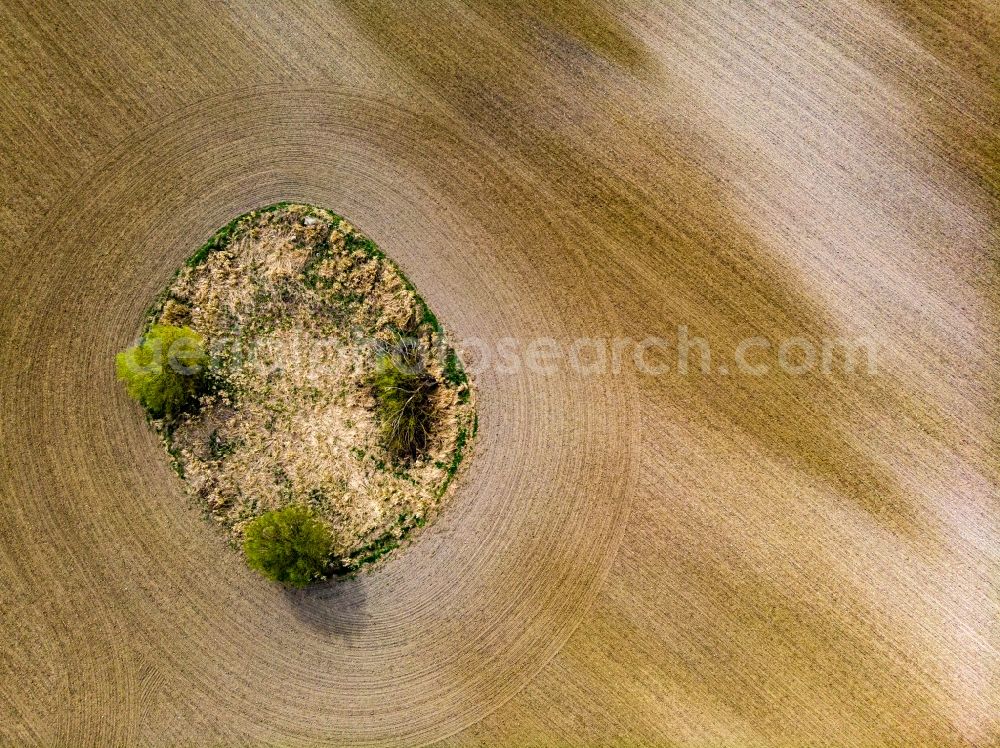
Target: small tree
[(166, 370), (403, 402), (288, 545)]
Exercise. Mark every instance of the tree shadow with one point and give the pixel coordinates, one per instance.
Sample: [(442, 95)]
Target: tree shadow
[(337, 609)]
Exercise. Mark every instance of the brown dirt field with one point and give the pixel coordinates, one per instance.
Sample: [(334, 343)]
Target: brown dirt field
[(628, 560)]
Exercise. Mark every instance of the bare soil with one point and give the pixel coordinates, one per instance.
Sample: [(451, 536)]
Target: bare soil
[(632, 560)]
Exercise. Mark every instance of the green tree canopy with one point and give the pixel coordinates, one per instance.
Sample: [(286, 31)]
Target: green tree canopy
[(288, 545), (166, 370)]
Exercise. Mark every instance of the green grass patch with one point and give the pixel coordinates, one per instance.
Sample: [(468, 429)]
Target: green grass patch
[(373, 551), (456, 459), (454, 372), (219, 448)]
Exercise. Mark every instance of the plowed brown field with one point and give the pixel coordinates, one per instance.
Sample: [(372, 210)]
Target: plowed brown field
[(629, 559)]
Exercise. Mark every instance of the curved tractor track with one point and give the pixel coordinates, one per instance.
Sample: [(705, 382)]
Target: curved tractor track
[(629, 558)]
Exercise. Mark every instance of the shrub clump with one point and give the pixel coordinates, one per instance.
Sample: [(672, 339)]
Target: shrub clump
[(403, 403), (288, 545), (166, 371)]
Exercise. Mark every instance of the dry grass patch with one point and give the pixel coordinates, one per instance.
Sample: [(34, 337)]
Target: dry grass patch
[(330, 384)]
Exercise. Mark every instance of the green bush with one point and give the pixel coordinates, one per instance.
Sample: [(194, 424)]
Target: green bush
[(166, 370), (403, 403), (288, 545)]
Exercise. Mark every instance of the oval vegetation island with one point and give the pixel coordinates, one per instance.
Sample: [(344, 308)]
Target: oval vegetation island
[(308, 397)]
